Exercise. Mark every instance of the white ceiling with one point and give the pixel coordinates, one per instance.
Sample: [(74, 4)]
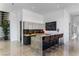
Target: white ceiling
[(43, 8)]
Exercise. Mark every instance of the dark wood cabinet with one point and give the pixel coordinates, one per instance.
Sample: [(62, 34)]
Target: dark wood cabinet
[(48, 41), (27, 40)]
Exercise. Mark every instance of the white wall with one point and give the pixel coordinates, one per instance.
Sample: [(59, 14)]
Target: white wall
[(13, 27), (62, 18), (2, 7), (15, 17), (30, 16), (5, 7)]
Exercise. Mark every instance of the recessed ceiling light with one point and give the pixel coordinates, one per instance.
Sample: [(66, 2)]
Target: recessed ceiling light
[(12, 3)]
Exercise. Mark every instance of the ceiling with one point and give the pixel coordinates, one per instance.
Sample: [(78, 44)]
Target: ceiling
[(43, 8)]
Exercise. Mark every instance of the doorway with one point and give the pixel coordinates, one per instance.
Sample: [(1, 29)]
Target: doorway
[(74, 35), (4, 25)]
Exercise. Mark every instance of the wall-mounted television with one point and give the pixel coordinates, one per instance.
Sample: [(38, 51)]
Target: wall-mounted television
[(50, 26)]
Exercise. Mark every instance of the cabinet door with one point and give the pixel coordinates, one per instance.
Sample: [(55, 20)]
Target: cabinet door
[(27, 40), (46, 42)]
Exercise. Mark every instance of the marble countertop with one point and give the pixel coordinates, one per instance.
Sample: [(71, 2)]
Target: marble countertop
[(33, 34), (41, 34)]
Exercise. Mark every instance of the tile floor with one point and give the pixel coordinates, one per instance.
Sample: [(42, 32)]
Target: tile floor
[(8, 48)]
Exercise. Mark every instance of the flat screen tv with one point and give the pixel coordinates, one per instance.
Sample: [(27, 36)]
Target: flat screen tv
[(50, 26)]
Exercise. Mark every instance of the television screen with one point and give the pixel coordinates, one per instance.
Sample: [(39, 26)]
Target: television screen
[(51, 26)]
